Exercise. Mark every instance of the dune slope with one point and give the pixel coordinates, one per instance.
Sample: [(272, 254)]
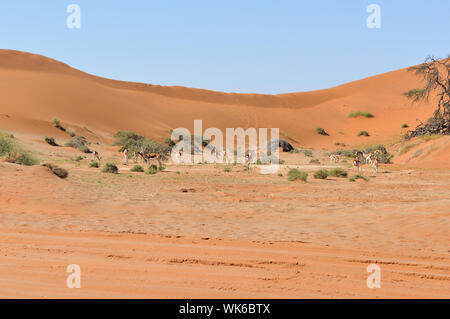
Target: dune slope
[(35, 89)]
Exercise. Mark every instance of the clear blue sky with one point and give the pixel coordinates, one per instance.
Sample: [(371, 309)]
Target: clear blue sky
[(261, 46)]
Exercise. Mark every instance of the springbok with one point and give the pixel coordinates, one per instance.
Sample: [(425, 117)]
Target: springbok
[(375, 165), (148, 157), (369, 158), (125, 154), (334, 158), (357, 164), (96, 156)]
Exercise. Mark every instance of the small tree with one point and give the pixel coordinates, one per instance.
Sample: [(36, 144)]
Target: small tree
[(436, 75)]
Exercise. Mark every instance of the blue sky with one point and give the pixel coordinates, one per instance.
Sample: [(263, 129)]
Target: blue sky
[(253, 46)]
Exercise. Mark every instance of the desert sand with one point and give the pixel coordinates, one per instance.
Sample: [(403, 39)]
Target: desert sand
[(228, 235)]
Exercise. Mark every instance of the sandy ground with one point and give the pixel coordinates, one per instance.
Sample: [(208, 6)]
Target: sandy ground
[(232, 234), (229, 235)]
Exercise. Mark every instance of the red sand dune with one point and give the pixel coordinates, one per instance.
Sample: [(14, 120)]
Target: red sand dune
[(35, 89)]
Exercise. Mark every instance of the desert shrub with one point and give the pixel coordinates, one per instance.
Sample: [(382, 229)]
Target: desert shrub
[(51, 141), (57, 124), (19, 156), (71, 132), (321, 174), (280, 175), (152, 169), (294, 174), (314, 161), (178, 172), (340, 144), (404, 125), (6, 145), (110, 168), (14, 153), (129, 140), (360, 114), (321, 131), (337, 172), (79, 143), (355, 177), (137, 168), (94, 164), (307, 153), (161, 168), (363, 133), (58, 171), (227, 169), (79, 158)]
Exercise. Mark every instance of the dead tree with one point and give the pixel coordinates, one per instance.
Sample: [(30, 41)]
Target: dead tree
[(436, 75)]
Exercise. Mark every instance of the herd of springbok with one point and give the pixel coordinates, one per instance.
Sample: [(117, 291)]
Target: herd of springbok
[(371, 158)]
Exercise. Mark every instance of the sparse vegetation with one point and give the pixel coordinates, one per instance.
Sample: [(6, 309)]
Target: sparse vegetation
[(110, 168), (134, 142), (307, 153), (71, 132), (51, 141), (280, 175), (58, 171), (363, 133), (94, 164), (360, 114), (79, 158), (337, 172), (321, 174), (227, 169), (404, 125), (152, 169), (314, 161), (161, 168), (321, 131), (79, 143), (357, 176), (14, 153), (137, 168), (57, 124), (294, 174)]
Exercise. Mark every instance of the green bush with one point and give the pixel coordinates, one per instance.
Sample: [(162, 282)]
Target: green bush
[(14, 153), (79, 143), (404, 125), (321, 131), (161, 168), (314, 161), (294, 174), (363, 133), (321, 174), (337, 172), (355, 177), (51, 141), (152, 170), (71, 132), (94, 164), (360, 113), (56, 122), (110, 168), (137, 168), (79, 158), (227, 169)]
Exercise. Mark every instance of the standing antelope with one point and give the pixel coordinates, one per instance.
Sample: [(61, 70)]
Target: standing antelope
[(369, 158), (334, 158), (96, 156), (375, 165), (125, 154), (148, 157), (357, 164)]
